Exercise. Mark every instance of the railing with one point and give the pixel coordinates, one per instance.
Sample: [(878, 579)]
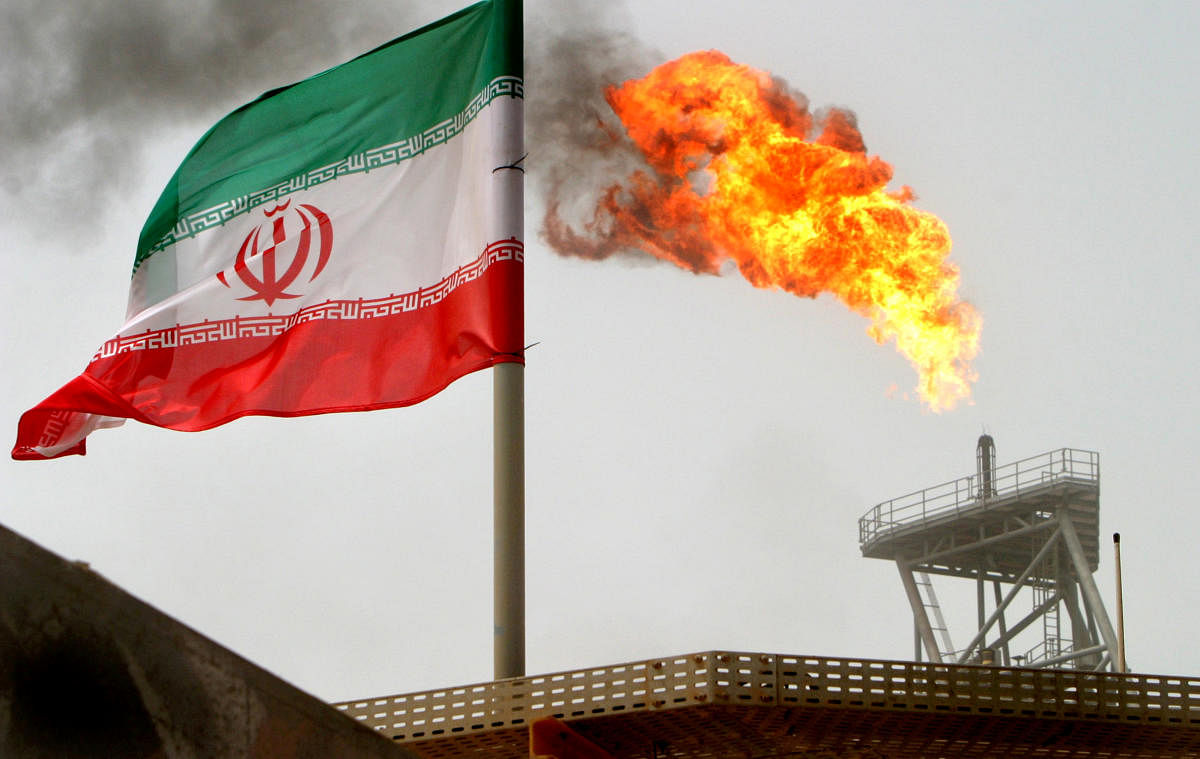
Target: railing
[(754, 679), (1047, 649), (968, 493)]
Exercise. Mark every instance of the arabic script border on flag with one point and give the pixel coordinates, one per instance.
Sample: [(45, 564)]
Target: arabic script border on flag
[(373, 158), (240, 327), (394, 327)]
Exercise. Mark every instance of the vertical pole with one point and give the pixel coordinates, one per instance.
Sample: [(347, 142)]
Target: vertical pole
[(1120, 666), (508, 574), (980, 611), (508, 378)]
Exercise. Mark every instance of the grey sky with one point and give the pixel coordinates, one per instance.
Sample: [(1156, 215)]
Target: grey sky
[(699, 451)]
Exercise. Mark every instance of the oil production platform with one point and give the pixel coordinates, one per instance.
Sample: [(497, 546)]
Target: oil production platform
[(1040, 673), (88, 670)]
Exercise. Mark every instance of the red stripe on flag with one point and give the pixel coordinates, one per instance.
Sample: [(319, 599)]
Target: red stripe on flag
[(314, 367)]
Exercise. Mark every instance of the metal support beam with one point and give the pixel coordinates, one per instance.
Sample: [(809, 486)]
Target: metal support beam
[(920, 616), (1079, 654), (1004, 652), (1026, 621), (1093, 631), (1017, 585), (1081, 638), (975, 545), (1087, 584), (1079, 630)]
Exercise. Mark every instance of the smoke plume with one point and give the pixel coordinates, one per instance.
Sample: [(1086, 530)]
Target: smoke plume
[(574, 51), (86, 85)]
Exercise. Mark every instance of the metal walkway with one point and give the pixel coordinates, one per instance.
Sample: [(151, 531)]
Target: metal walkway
[(718, 703), (1022, 499)]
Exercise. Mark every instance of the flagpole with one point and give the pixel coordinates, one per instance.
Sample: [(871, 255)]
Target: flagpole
[(508, 429), (508, 394)]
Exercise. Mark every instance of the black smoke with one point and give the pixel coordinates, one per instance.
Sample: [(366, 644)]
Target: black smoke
[(574, 51), (87, 86)]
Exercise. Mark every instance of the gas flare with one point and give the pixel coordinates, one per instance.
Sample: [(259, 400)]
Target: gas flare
[(736, 168)]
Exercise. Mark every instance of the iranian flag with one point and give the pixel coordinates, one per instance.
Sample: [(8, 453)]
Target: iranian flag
[(350, 242)]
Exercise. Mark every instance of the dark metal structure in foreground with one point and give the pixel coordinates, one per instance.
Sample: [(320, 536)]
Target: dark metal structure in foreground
[(87, 670), (727, 704), (1030, 531)]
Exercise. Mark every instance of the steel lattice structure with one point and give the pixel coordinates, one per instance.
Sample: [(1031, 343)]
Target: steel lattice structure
[(1030, 530)]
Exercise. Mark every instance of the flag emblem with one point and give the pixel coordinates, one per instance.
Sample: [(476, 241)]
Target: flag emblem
[(241, 302), (268, 283)]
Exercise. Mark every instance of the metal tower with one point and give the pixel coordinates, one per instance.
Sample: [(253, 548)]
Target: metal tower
[(1029, 529)]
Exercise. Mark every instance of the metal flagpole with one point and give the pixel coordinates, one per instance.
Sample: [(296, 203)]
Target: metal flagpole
[(508, 430), (508, 410)]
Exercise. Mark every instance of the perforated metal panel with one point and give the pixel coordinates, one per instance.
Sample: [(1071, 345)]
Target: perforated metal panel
[(719, 704)]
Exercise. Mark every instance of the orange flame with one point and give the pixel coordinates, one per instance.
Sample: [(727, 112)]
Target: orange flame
[(734, 175)]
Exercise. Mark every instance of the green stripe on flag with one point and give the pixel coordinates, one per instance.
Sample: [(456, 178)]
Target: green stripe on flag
[(399, 96)]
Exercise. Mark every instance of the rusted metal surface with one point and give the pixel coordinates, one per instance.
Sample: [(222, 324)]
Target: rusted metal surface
[(554, 739), (723, 703), (87, 670)]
